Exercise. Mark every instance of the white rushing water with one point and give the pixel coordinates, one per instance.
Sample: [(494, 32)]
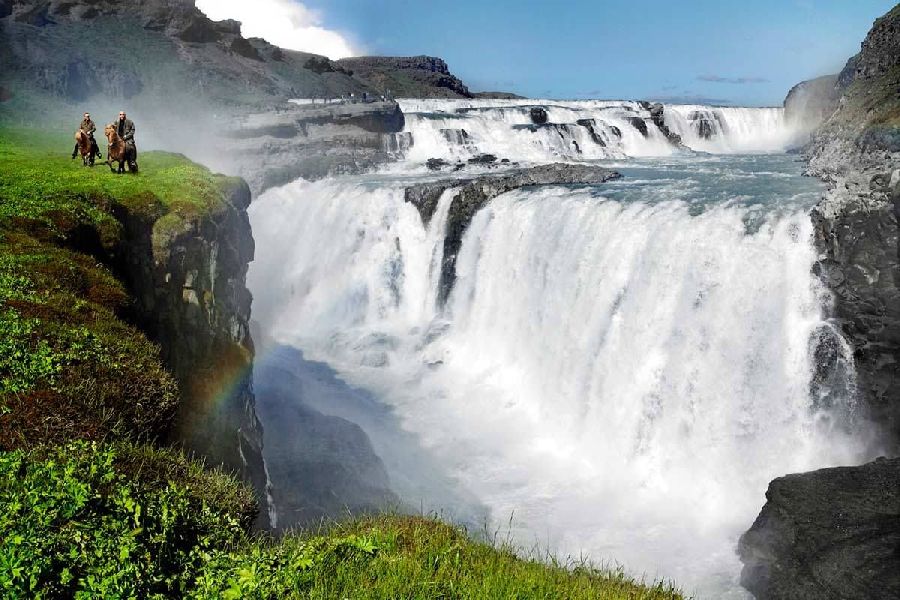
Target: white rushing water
[(623, 368), (579, 130)]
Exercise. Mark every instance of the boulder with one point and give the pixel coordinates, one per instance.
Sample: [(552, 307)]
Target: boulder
[(538, 115), (833, 533), (640, 124)]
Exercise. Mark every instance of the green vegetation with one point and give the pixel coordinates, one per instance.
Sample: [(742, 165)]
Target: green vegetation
[(40, 183), (125, 522), (88, 521), (70, 368), (89, 509), (406, 557)]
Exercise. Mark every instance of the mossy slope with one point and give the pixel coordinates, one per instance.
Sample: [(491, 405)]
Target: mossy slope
[(70, 366)]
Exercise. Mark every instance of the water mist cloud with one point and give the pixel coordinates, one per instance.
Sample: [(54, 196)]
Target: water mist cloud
[(284, 23)]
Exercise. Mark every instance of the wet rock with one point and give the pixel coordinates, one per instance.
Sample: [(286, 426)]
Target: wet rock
[(320, 466), (483, 159), (657, 115), (474, 194), (436, 164), (538, 115), (640, 124), (188, 279), (833, 533)]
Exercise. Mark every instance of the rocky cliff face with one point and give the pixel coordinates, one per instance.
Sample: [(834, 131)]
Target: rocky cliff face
[(809, 103), (832, 533), (408, 77), (321, 466), (835, 533), (312, 141), (187, 277), (857, 153), (167, 49)]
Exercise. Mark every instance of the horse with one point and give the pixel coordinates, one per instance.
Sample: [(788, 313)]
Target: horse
[(119, 151), (85, 148)]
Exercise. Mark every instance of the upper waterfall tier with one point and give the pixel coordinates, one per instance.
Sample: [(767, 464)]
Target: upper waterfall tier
[(544, 130)]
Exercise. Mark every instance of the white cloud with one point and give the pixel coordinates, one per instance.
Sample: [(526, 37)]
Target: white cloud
[(284, 23)]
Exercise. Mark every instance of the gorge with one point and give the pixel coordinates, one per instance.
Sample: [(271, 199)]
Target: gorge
[(616, 366), (662, 336)]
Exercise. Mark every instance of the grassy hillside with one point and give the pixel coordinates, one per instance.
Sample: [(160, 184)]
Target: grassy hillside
[(91, 506), (70, 367)]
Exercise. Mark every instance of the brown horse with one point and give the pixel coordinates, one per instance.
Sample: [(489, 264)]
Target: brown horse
[(85, 148), (119, 151)]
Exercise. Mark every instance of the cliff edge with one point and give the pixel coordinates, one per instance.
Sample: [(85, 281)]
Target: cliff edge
[(834, 533)]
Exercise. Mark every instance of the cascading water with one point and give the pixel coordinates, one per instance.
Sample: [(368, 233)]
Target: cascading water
[(542, 131), (623, 368)]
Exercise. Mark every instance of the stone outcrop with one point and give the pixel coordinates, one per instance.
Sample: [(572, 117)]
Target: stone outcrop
[(832, 533), (407, 77), (187, 278), (471, 195), (312, 141), (857, 153), (658, 116), (167, 48)]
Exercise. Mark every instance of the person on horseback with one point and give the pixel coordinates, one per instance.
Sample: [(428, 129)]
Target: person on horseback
[(125, 129), (88, 127)]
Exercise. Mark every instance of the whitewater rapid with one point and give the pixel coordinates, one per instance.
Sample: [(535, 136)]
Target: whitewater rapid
[(580, 130), (619, 370)]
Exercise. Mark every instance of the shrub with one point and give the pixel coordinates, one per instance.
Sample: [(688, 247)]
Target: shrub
[(80, 522)]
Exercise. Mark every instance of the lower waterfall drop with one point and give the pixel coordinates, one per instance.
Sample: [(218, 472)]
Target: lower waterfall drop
[(619, 370)]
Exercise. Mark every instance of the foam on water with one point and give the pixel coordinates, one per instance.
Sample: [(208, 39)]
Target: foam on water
[(624, 368), (624, 376), (580, 130)]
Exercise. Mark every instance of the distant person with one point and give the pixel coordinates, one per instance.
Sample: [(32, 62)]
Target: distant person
[(125, 129), (88, 127)]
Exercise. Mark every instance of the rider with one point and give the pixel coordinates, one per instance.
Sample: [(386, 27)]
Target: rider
[(88, 127), (125, 129)]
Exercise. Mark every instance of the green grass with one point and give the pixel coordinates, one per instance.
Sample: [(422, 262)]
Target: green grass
[(125, 521), (70, 367), (40, 182), (391, 557)]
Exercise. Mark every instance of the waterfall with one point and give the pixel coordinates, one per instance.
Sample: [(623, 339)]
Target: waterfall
[(624, 377), (537, 131)]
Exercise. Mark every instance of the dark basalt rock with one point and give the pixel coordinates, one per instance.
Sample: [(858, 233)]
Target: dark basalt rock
[(190, 297), (833, 533), (590, 125), (407, 76), (483, 159), (657, 115), (640, 124), (538, 115), (436, 164), (474, 194), (242, 47)]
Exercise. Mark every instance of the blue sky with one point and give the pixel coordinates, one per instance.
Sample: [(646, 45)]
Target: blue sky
[(747, 53)]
